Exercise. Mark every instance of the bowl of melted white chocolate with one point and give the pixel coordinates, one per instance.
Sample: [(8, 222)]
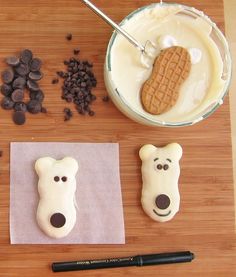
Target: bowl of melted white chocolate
[(188, 76)]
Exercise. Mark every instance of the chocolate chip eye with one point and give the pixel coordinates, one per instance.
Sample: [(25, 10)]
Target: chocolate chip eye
[(56, 179), (166, 167), (159, 166), (64, 179)]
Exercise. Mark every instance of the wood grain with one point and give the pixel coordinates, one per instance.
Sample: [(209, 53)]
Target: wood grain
[(205, 224)]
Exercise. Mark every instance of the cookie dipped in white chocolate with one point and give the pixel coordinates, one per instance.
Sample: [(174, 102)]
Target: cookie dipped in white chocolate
[(56, 213), (160, 173)]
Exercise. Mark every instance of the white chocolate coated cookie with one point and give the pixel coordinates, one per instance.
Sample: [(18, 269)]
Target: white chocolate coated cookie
[(160, 173), (56, 213)]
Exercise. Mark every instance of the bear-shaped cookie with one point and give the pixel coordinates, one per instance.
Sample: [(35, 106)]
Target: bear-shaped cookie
[(160, 173), (56, 213)]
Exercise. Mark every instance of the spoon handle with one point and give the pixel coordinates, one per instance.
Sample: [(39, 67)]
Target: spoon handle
[(114, 25)]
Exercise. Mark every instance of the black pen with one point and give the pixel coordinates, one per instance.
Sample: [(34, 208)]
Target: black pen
[(142, 260)]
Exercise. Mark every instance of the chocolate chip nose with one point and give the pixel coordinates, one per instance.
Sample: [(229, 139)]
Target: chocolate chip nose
[(58, 220), (162, 201)]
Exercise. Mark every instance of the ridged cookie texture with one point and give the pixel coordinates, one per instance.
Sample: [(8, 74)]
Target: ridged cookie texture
[(161, 91)]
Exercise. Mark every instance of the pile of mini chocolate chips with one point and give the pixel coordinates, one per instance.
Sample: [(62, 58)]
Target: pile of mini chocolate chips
[(23, 74)]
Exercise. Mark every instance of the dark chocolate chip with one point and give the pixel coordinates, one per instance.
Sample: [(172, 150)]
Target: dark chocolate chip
[(57, 220), (55, 81), (35, 64), (36, 76), (12, 61), (76, 51), (64, 179), (106, 98), (22, 69), (37, 95), (162, 201), (6, 90), (20, 106), (166, 167), (7, 76), (56, 179), (17, 95), (32, 85), (1, 153), (19, 117), (19, 83), (91, 113), (159, 166), (69, 36), (34, 106), (26, 56), (7, 103)]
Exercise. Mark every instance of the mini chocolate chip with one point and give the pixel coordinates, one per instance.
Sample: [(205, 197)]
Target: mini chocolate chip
[(19, 83), (12, 61), (7, 76), (56, 179), (35, 64), (20, 106), (7, 103), (69, 36), (55, 81), (76, 51), (32, 85), (159, 166), (34, 106), (36, 76), (64, 179), (17, 95), (166, 167), (105, 98), (19, 117), (6, 90), (57, 220), (22, 69), (91, 113), (26, 56)]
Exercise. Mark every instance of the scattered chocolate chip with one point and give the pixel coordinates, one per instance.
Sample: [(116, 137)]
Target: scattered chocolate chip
[(20, 106), (67, 114), (34, 106), (55, 81), (1, 153), (7, 76), (17, 95), (26, 56), (22, 69), (19, 83), (35, 64), (57, 220), (64, 179), (76, 51), (12, 61), (32, 85), (7, 103), (19, 117), (37, 95), (56, 179), (69, 36), (35, 76), (6, 90), (106, 98), (91, 113)]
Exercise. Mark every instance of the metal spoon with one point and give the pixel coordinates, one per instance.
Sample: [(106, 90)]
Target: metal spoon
[(148, 45)]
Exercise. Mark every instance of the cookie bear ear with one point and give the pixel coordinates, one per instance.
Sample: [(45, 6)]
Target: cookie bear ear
[(176, 150), (146, 151), (71, 164), (43, 163)]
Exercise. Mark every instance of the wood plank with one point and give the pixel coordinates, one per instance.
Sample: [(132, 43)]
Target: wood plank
[(205, 224)]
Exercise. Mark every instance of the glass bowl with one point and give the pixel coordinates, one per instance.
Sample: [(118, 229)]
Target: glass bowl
[(205, 99)]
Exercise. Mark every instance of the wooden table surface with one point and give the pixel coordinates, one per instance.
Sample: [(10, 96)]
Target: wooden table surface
[(205, 224)]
